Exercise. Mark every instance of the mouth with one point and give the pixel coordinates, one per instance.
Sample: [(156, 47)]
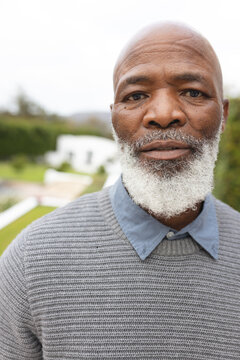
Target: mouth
[(165, 150)]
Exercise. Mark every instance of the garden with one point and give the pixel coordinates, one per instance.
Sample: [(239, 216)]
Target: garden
[(26, 138)]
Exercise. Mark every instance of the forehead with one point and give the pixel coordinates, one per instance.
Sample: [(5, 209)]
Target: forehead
[(170, 56)]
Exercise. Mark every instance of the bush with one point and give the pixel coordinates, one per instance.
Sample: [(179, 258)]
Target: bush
[(65, 166), (101, 170), (19, 161), (25, 138), (34, 137), (227, 179)]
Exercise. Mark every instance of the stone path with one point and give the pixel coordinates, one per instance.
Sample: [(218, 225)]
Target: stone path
[(21, 190)]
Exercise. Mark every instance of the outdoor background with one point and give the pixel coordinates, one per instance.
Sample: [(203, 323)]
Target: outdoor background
[(57, 58)]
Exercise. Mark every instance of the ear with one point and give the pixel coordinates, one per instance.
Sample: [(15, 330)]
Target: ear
[(225, 113), (111, 106)]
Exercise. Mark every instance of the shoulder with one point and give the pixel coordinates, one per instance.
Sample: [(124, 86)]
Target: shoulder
[(76, 212), (63, 223), (229, 233), (226, 212)]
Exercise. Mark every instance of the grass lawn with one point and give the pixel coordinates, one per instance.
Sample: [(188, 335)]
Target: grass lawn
[(8, 233), (31, 172), (97, 184)]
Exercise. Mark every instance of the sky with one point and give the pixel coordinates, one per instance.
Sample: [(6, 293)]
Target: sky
[(61, 53)]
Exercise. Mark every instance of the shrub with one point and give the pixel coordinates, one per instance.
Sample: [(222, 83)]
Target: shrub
[(65, 166), (34, 137), (227, 179), (101, 170), (19, 162)]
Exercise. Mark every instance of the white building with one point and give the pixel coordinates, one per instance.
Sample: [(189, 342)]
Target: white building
[(84, 153)]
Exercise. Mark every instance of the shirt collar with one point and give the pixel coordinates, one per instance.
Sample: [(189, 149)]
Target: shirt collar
[(145, 232)]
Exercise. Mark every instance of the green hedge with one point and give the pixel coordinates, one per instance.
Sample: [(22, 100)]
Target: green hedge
[(25, 139), (227, 172), (34, 136)]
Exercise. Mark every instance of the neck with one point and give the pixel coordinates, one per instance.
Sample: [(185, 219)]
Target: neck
[(180, 221)]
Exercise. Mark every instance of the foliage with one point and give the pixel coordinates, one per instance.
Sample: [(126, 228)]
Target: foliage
[(101, 170), (34, 136), (27, 107), (97, 184), (31, 130), (6, 203), (8, 233), (227, 184), (65, 167), (25, 137), (30, 172), (19, 161), (96, 123)]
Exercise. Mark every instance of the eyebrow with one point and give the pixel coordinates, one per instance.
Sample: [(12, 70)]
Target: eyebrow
[(132, 80), (136, 79), (190, 77), (141, 79)]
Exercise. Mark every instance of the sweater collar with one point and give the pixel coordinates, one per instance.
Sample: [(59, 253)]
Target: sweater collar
[(145, 233)]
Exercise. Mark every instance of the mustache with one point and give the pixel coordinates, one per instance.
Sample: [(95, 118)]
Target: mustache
[(170, 134)]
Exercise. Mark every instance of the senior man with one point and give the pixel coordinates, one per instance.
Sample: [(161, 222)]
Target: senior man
[(150, 267)]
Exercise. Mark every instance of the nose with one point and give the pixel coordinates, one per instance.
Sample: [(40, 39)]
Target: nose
[(164, 111)]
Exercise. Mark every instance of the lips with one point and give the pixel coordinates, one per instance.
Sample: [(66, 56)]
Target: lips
[(165, 150)]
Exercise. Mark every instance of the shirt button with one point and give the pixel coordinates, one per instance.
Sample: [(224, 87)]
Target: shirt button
[(170, 234)]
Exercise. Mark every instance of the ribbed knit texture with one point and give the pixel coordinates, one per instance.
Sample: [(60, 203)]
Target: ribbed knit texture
[(72, 287)]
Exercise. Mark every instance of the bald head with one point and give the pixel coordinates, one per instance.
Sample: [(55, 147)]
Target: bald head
[(166, 38)]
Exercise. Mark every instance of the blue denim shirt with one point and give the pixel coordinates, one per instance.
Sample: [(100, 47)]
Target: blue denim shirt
[(145, 232)]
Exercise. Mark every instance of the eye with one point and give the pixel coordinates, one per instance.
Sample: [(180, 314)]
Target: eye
[(193, 93), (135, 97)]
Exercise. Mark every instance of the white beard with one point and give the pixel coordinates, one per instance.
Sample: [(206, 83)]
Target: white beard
[(161, 187)]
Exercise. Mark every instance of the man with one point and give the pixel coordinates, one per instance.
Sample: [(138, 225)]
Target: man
[(150, 267)]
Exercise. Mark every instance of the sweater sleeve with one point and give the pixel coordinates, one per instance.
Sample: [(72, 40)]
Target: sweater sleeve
[(18, 336)]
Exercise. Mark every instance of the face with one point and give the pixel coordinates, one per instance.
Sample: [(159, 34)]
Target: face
[(167, 85)]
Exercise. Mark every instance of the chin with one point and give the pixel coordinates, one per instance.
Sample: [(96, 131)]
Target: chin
[(168, 188)]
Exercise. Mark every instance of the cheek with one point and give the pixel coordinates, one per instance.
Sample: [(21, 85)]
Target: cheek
[(207, 121), (126, 122)]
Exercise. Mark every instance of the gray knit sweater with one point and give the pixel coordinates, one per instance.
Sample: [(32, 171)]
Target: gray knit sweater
[(72, 287)]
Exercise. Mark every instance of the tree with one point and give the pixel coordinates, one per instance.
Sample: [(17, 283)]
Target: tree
[(227, 184), (26, 107)]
